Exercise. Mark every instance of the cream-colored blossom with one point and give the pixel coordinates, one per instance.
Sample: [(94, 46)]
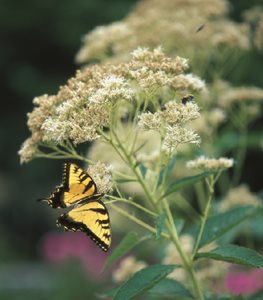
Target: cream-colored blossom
[(232, 34), (101, 174), (216, 117), (210, 164), (176, 135), (102, 38), (127, 268), (241, 95), (150, 121), (79, 126), (175, 29), (175, 113), (188, 82), (100, 93), (238, 196), (209, 121), (113, 88), (28, 149)]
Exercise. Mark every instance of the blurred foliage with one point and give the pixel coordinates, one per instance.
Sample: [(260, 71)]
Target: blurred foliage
[(39, 40)]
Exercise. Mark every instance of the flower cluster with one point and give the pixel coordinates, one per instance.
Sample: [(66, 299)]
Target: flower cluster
[(176, 29), (101, 174), (100, 96), (170, 122), (210, 164), (238, 196)]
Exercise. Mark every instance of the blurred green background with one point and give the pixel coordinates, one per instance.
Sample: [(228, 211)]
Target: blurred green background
[(39, 40)]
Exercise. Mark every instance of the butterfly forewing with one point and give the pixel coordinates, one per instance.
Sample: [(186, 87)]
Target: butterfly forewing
[(76, 185), (91, 218)]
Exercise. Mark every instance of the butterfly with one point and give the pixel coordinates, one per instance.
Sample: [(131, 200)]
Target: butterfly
[(89, 214)]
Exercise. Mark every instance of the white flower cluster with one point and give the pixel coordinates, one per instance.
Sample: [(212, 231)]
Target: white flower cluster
[(170, 123), (210, 164)]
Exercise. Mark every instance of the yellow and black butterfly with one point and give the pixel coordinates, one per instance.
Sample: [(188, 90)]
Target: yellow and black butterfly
[(89, 214)]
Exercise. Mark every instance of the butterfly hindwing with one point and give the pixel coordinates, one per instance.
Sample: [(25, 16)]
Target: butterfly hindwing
[(91, 218), (76, 185)]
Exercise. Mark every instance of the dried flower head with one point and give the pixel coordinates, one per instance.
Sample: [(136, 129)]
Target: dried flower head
[(210, 164)]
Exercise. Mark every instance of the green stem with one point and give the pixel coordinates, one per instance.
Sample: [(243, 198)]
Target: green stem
[(188, 264), (205, 215), (142, 208), (138, 221), (131, 163)]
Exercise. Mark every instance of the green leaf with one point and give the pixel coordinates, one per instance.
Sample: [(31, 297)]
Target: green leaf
[(167, 170), (143, 169), (159, 225), (142, 281), (236, 255), (108, 294), (169, 288), (219, 224), (184, 182), (126, 244), (257, 296)]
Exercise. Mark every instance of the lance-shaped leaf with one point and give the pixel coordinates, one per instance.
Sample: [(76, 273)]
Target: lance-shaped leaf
[(236, 255), (166, 171), (130, 240), (142, 281), (170, 289), (219, 224), (185, 182)]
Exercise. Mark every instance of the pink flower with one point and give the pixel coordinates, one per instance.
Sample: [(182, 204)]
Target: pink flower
[(244, 282), (61, 247)]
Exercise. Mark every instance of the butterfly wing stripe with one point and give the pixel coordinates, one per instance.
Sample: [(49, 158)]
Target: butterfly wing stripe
[(91, 218), (76, 185), (102, 211), (89, 186), (68, 224), (83, 177)]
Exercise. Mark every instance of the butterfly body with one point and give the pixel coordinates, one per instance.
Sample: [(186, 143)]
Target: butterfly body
[(88, 213)]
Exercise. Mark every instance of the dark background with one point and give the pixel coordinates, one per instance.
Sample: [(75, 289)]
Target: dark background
[(39, 40)]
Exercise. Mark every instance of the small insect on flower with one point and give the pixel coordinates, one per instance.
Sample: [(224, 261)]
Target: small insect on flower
[(187, 98), (89, 214)]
